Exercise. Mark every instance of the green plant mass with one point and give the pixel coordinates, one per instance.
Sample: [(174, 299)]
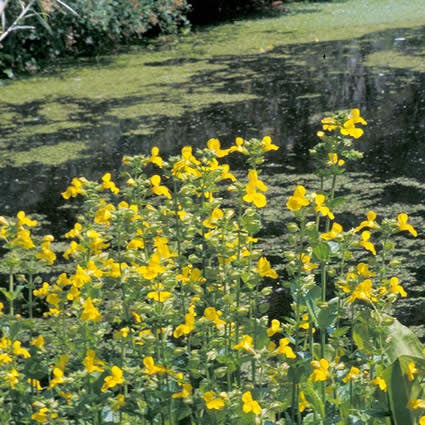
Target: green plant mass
[(158, 310)]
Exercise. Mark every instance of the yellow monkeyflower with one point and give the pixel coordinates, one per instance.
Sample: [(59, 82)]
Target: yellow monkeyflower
[(321, 370), (303, 403), (35, 383), (119, 402), (298, 199), (252, 196), (114, 379), (285, 349), (363, 291), (380, 382), (416, 404), (213, 401), (249, 404), (212, 314), (153, 269), (349, 127), (307, 264), (335, 231), (264, 268), (411, 371), (215, 146), (155, 158), (107, 183), (212, 221), (76, 188), (363, 270), (24, 220), (93, 364), (159, 189), (370, 222), (186, 392), (41, 415), (329, 124), (20, 351), (274, 328), (158, 294), (90, 312), (267, 144), (57, 377), (334, 160), (366, 244), (352, 374), (13, 378), (38, 342), (396, 288), (189, 324), (422, 420), (322, 209), (245, 344), (403, 225), (151, 368)]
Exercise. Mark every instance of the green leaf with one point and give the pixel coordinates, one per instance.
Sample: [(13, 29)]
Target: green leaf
[(339, 200), (327, 314), (321, 251)]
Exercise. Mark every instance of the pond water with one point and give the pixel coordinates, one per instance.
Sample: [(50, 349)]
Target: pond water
[(285, 91)]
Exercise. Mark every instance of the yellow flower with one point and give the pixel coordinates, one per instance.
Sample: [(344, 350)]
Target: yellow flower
[(114, 379), (107, 183), (322, 209), (249, 404), (335, 231), (41, 415), (189, 324), (380, 383), (13, 378), (298, 199), (363, 270), (23, 220), (329, 124), (76, 188), (38, 342), (320, 372), (157, 188), (213, 401), (215, 146), (403, 225), (349, 128), (363, 291), (212, 314), (35, 383), (186, 392), (416, 404), (155, 158), (252, 196), (396, 288), (90, 312), (370, 222), (422, 420), (136, 243), (285, 349), (158, 294), (333, 159), (307, 264), (212, 222), (151, 368), (153, 269), (93, 364), (264, 268), (303, 403), (119, 402), (268, 145), (245, 344), (274, 328), (366, 244), (353, 373), (411, 371), (19, 351), (58, 377)]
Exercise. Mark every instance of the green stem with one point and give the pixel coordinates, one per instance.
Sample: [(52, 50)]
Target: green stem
[(11, 289)]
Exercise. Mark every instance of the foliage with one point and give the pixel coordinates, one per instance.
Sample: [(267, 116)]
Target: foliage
[(162, 318), (85, 28)]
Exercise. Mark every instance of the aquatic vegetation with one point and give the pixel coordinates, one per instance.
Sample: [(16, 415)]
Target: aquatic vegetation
[(161, 316)]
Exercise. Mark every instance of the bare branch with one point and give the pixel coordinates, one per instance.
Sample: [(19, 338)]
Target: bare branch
[(16, 21)]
